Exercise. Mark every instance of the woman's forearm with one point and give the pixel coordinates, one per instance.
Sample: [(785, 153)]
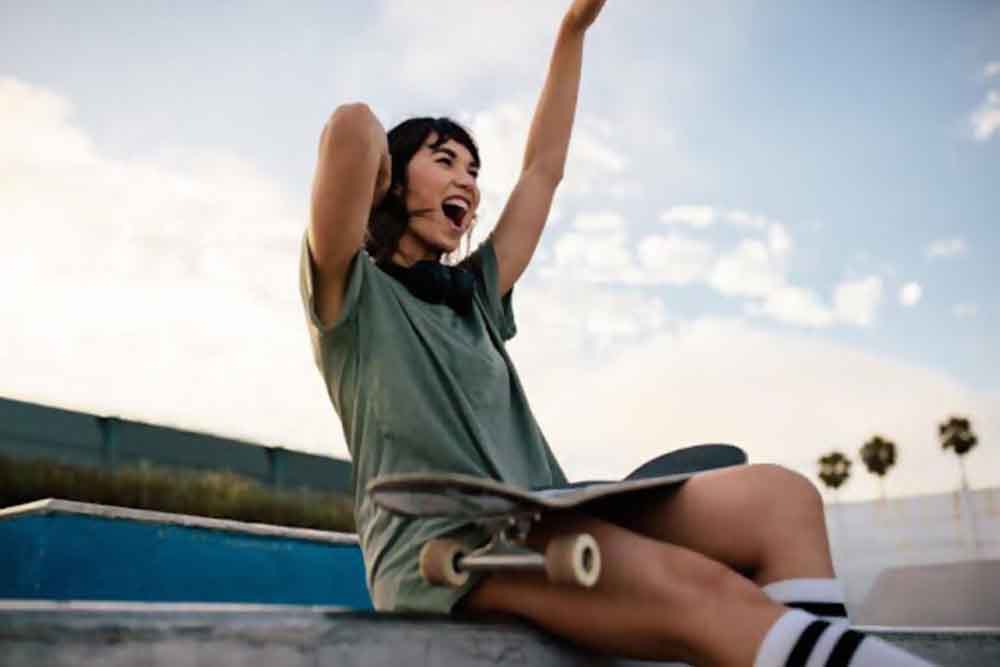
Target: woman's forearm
[(520, 226), (552, 124)]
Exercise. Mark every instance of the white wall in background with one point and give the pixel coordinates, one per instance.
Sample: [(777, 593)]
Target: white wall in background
[(868, 537)]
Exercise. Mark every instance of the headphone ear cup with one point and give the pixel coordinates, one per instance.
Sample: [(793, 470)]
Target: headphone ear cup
[(464, 282), (436, 280)]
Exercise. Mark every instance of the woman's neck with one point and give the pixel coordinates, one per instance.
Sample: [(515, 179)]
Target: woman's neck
[(407, 253)]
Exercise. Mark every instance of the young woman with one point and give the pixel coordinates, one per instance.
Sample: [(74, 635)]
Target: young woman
[(412, 353)]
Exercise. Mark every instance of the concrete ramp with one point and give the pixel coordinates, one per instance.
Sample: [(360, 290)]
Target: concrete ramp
[(182, 635), (948, 594)]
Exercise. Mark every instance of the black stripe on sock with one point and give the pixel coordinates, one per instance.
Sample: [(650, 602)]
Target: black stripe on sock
[(806, 643), (821, 608), (844, 649)]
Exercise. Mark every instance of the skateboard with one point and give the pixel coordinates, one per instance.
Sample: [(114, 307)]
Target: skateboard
[(508, 512)]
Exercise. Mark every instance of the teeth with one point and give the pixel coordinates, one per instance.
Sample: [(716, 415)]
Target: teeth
[(457, 201)]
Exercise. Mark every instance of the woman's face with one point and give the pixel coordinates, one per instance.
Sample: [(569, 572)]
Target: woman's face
[(443, 197)]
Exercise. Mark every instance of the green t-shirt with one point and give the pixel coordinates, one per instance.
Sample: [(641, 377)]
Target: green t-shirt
[(421, 388)]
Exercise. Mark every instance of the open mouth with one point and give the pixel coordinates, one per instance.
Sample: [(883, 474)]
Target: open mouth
[(455, 213)]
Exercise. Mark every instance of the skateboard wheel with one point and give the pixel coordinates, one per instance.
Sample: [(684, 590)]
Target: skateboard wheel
[(573, 559), (439, 563)]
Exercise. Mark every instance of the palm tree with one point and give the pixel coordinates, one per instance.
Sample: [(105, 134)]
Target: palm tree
[(834, 470), (956, 434), (879, 454)]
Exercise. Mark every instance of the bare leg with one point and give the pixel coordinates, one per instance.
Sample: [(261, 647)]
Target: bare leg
[(659, 600), (762, 520), (654, 600)]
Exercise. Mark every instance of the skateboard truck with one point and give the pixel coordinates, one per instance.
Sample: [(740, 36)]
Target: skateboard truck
[(568, 559)]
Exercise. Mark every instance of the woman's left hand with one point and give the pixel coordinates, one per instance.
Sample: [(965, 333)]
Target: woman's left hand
[(583, 13)]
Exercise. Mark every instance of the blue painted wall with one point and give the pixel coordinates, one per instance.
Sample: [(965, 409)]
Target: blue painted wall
[(66, 556)]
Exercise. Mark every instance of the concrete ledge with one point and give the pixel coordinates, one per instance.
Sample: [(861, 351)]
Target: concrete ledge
[(50, 506), (72, 634), (972, 647), (119, 634)]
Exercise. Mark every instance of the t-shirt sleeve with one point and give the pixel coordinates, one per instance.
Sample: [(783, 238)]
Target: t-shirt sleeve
[(307, 275), (500, 310)]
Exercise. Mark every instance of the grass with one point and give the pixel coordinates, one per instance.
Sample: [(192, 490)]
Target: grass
[(222, 495)]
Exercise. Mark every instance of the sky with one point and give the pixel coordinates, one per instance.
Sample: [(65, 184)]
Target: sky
[(777, 228)]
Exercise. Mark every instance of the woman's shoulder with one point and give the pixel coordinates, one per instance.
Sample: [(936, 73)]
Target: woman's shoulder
[(365, 287)]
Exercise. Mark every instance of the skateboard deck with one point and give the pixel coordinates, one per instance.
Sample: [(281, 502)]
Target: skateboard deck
[(508, 512), (455, 495)]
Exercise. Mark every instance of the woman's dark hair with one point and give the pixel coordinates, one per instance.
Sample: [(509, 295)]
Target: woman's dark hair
[(388, 221)]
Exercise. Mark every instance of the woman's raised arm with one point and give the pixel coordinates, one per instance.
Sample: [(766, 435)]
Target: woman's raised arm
[(352, 175), (520, 226)]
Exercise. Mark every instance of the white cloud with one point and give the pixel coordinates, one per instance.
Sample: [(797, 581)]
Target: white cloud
[(589, 148), (441, 46), (797, 305), (695, 216), (161, 288), (965, 311), (701, 216), (598, 252), (595, 257), (946, 248), (605, 221), (748, 270), (499, 134), (778, 239), (674, 259), (755, 269), (785, 398), (625, 189), (910, 294), (745, 219), (856, 301), (572, 328), (592, 164), (32, 140), (985, 120)]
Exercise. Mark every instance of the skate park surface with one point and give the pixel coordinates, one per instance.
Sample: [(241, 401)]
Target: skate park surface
[(118, 634), (86, 583)]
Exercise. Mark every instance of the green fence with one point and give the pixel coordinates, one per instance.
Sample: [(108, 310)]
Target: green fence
[(32, 431)]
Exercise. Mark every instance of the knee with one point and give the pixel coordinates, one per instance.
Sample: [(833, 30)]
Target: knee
[(786, 500), (780, 487)]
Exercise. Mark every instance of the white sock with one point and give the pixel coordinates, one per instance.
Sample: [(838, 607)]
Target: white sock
[(798, 639), (822, 597)]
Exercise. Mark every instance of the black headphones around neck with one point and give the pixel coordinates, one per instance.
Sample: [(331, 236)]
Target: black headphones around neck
[(434, 282)]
